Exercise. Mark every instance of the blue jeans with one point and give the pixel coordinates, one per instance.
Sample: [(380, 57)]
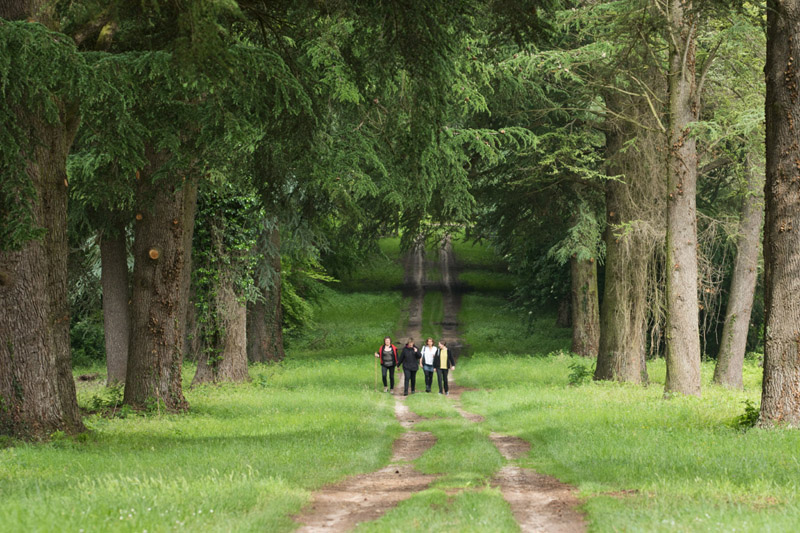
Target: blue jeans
[(428, 369)]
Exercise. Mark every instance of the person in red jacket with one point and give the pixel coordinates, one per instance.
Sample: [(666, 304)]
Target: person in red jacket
[(388, 356)]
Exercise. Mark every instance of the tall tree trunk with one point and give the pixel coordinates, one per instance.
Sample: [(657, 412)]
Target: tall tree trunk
[(274, 308), (683, 329), (116, 317), (780, 397), (265, 318), (162, 265), (257, 330), (634, 231), (564, 313), (730, 359), (191, 337), (585, 313), (37, 391), (223, 357)]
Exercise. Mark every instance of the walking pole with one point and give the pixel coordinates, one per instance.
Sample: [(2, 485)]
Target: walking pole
[(376, 374)]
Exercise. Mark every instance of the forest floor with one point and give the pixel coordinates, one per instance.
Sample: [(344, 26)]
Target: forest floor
[(539, 503)]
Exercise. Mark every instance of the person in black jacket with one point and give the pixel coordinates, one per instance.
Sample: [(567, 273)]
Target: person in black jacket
[(409, 358), (388, 356), (442, 364)]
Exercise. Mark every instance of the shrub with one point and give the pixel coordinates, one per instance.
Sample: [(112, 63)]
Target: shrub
[(749, 418), (580, 373)]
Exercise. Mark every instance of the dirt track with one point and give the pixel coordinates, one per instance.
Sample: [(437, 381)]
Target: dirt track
[(539, 503)]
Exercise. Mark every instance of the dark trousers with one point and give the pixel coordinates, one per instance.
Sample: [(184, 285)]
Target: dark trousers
[(411, 376), (428, 380), (441, 375), (390, 370)]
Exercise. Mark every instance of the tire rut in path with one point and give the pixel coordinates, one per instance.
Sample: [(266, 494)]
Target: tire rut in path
[(366, 497), (539, 503)]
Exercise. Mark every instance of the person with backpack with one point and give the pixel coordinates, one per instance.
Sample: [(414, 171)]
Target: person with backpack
[(409, 358), (388, 357), (442, 364), (429, 351)]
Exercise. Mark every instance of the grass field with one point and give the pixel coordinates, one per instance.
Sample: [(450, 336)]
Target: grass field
[(246, 457)]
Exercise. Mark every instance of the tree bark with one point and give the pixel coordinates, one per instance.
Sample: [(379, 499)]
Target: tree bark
[(257, 330), (26, 9), (191, 337), (37, 390), (682, 327), (116, 316), (585, 313), (634, 235), (730, 359), (162, 265), (274, 340), (629, 244), (780, 397), (224, 358), (564, 313), (265, 317)]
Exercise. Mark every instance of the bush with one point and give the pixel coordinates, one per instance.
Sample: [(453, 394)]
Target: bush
[(749, 418), (87, 340), (580, 373)]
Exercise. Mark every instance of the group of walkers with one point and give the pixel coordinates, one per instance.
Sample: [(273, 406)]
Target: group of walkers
[(434, 359)]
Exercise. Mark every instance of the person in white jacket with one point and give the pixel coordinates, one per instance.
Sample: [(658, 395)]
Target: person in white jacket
[(429, 352)]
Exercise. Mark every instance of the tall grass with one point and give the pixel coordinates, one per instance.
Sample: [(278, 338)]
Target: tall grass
[(245, 457), (381, 273), (489, 325), (644, 463), (435, 511)]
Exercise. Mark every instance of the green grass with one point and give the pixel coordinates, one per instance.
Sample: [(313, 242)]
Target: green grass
[(487, 281), (488, 324), (463, 453), (245, 458), (350, 324), (470, 256), (433, 510), (432, 313), (253, 453), (691, 470), (384, 272)]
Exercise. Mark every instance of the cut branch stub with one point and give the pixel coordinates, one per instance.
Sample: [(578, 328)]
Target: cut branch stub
[(154, 253), (6, 279), (138, 217)]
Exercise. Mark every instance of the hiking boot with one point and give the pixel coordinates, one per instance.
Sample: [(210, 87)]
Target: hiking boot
[(385, 389)]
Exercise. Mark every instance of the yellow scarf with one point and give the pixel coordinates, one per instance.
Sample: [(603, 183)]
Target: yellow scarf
[(443, 358)]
